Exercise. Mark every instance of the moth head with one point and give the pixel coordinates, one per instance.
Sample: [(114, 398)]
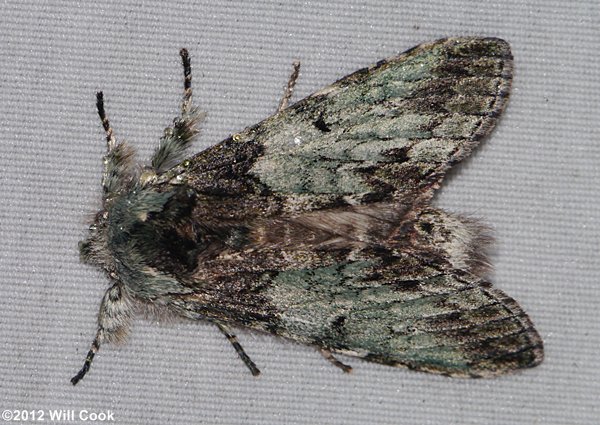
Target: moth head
[(89, 248), (121, 174), (94, 249)]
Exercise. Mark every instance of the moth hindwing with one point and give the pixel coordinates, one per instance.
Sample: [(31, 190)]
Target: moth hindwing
[(316, 224)]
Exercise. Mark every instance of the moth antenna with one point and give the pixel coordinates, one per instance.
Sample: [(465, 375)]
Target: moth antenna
[(238, 348), (110, 138), (289, 89), (334, 361), (186, 102), (88, 360)]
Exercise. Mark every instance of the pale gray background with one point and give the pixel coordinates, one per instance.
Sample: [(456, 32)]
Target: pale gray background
[(536, 181)]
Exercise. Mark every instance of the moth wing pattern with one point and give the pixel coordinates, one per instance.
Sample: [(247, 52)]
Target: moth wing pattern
[(316, 223), (389, 131), (322, 229)]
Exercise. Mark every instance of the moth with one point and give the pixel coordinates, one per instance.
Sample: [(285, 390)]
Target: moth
[(316, 224)]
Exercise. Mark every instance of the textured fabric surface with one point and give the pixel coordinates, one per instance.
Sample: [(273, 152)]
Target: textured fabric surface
[(536, 181)]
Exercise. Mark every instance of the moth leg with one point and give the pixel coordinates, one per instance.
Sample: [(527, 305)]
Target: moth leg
[(179, 136), (186, 101), (119, 163), (110, 138), (289, 90), (238, 348), (331, 358), (88, 359), (114, 320)]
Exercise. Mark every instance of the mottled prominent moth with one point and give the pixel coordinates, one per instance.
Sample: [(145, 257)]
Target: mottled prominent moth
[(316, 224)]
